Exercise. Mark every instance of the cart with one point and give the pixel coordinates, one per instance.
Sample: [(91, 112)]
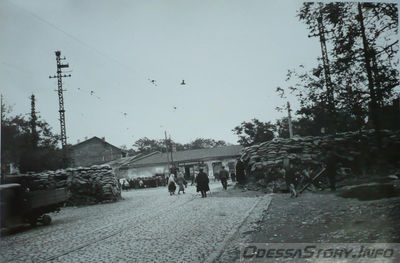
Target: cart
[(21, 206)]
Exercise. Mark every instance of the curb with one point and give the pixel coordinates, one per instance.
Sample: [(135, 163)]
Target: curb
[(213, 257)]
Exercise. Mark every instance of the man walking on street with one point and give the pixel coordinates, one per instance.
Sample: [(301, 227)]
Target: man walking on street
[(233, 176), (240, 171), (223, 176)]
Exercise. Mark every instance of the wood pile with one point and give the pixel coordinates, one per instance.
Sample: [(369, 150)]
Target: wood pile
[(88, 185), (363, 152)]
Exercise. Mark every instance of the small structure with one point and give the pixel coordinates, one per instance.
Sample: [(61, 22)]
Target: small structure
[(157, 163), (94, 151)]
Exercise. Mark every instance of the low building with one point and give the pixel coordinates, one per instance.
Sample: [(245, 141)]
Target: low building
[(158, 163), (94, 151)]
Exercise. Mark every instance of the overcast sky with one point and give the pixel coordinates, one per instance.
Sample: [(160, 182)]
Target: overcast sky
[(231, 54)]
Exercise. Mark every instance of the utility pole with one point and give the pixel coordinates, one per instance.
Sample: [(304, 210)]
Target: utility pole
[(172, 159), (61, 110), (34, 134), (290, 121), (2, 109), (166, 146)]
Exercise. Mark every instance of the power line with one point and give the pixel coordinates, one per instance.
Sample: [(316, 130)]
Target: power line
[(77, 40), (72, 36), (93, 49)]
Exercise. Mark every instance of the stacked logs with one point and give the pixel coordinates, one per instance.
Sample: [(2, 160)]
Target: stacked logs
[(363, 152), (87, 185)]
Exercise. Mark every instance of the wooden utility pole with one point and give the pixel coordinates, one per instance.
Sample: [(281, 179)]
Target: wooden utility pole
[(34, 134), (166, 147), (172, 158), (290, 121), (3, 108)]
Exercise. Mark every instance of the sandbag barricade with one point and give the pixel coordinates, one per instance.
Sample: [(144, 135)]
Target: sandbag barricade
[(88, 185)]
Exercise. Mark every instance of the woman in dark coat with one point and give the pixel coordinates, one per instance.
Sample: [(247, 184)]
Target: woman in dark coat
[(202, 183)]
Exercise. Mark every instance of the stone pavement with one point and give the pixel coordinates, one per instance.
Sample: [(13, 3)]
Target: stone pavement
[(147, 226)]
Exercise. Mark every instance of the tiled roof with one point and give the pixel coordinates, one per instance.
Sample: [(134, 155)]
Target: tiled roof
[(95, 138), (121, 162), (190, 155)]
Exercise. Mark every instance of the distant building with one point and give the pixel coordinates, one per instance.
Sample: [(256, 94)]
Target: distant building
[(157, 163), (94, 151)]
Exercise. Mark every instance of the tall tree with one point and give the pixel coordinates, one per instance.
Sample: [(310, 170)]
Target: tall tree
[(253, 132), (363, 56), (16, 145), (146, 145), (201, 143)]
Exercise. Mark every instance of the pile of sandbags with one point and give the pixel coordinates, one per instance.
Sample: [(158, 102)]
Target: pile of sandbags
[(88, 185), (35, 181), (362, 152), (93, 184)]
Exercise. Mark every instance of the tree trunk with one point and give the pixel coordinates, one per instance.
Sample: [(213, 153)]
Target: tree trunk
[(328, 82), (367, 57)]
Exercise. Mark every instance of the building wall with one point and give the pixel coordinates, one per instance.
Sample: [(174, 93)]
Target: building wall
[(224, 162), (94, 152), (161, 169), (142, 171)]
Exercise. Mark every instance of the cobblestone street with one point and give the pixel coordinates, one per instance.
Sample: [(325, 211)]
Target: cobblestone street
[(147, 226)]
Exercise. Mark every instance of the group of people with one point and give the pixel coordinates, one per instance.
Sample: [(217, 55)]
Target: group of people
[(177, 179), (141, 182), (174, 180)]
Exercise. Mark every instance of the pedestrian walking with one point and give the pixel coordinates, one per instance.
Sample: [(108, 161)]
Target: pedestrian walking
[(233, 176), (202, 183), (194, 175), (216, 177), (240, 171), (171, 184), (181, 182), (223, 176)]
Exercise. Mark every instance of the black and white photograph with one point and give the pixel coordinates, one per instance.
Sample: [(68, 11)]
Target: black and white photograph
[(199, 131)]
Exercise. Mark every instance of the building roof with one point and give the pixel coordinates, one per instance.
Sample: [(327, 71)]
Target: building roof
[(95, 138), (189, 156), (124, 161)]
